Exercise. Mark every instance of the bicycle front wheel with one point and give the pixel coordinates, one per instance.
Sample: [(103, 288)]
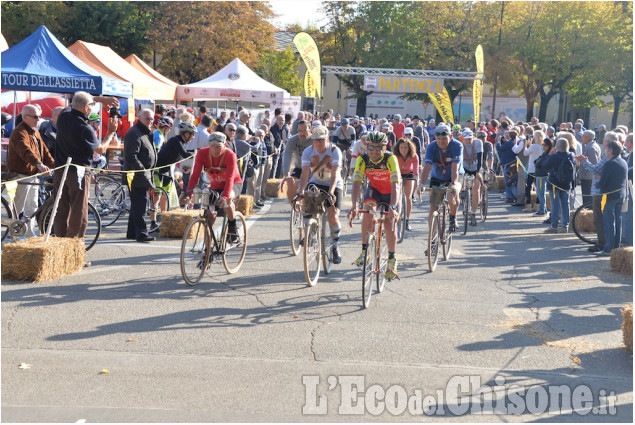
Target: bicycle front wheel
[(235, 245), (327, 244), (296, 228), (433, 241), (401, 224), (466, 209), (368, 271), (583, 225), (312, 253), (484, 201), (447, 235), (195, 249), (110, 202), (382, 258), (93, 229), (7, 216)]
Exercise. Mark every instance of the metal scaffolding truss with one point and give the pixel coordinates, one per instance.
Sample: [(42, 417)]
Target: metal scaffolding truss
[(352, 70)]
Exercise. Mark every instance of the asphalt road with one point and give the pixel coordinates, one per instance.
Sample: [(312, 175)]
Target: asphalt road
[(513, 308)]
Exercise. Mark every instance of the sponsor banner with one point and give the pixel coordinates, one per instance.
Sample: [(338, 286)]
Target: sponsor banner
[(402, 84), (309, 85), (444, 106), (311, 57), (290, 105), (42, 83)]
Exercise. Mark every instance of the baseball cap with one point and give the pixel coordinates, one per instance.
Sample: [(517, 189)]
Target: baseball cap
[(396, 117), (386, 125), (355, 120), (217, 139), (416, 117), (431, 121), (315, 124), (319, 133), (467, 133), (344, 121), (442, 130), (407, 130)]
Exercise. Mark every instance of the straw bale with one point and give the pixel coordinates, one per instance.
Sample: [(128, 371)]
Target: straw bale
[(35, 260), (627, 326), (534, 201), (499, 183), (245, 204), (272, 189), (173, 223), (622, 260), (584, 221)]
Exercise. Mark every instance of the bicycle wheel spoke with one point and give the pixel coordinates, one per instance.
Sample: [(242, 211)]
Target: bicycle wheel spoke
[(195, 248), (312, 253)]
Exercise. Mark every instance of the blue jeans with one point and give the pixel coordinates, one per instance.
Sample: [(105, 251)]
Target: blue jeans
[(541, 188), (508, 190), (627, 224), (559, 205), (612, 218)]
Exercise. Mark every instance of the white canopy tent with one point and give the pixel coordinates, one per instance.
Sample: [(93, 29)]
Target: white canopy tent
[(234, 82)]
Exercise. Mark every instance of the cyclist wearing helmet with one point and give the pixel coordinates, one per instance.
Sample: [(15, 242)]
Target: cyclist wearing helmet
[(444, 163), (164, 125), (488, 150), (472, 163), (456, 132), (171, 152), (221, 167), (384, 186), (98, 161)]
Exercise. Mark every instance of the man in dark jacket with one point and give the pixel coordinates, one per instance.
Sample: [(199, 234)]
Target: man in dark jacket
[(613, 187), (139, 154), (280, 133)]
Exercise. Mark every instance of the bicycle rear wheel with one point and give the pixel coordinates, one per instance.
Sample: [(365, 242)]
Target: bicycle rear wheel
[(382, 257), (484, 201), (93, 229), (312, 253), (401, 224), (110, 202), (195, 248), (447, 235), (296, 228), (583, 225), (234, 247), (368, 271), (327, 244), (6, 216), (466, 209), (433, 242)]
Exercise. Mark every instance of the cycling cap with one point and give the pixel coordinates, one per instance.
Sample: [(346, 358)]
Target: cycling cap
[(94, 117), (431, 121), (377, 137), (217, 139), (407, 130), (467, 133), (344, 121), (316, 124), (319, 133), (166, 121), (441, 131), (481, 133), (396, 117), (186, 127)]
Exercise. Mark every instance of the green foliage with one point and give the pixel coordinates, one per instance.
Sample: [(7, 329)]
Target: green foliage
[(279, 68)]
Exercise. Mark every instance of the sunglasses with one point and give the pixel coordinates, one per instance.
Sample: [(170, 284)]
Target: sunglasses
[(444, 134), (37, 117), (231, 129), (375, 148)]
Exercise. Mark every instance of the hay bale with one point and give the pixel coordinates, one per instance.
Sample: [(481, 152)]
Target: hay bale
[(622, 260), (245, 204), (627, 326), (272, 190), (36, 260), (499, 183), (584, 221), (173, 223)]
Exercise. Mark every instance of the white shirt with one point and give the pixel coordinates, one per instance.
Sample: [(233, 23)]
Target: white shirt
[(533, 152)]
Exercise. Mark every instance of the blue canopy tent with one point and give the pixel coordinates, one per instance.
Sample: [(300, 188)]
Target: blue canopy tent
[(41, 63)]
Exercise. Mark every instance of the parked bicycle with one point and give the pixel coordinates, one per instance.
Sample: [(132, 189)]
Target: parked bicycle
[(376, 257), (205, 240), (439, 227), (113, 201)]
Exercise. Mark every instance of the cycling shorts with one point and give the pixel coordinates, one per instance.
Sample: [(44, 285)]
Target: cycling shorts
[(373, 196)]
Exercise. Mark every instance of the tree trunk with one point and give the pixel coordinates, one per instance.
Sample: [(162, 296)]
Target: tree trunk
[(544, 102), (530, 108), (617, 101), (361, 105)]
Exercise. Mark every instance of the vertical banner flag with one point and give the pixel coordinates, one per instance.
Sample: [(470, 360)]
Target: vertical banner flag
[(442, 102), (311, 57), (309, 85), (477, 91)]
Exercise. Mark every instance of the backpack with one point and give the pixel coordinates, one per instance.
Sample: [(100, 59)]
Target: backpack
[(565, 174)]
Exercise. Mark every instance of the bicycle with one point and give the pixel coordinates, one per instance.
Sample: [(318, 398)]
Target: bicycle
[(438, 228), (487, 179), (466, 198), (15, 227), (401, 221), (296, 226), (376, 257), (113, 201), (582, 228), (318, 244), (202, 243)]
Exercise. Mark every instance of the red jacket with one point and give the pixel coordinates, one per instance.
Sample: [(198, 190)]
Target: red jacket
[(222, 171)]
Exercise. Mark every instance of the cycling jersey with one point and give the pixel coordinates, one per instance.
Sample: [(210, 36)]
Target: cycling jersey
[(470, 155), (442, 160), (293, 152), (343, 137), (381, 174), (158, 138), (359, 148), (311, 158)]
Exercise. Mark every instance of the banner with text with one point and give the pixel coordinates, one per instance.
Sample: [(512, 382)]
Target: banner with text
[(443, 104), (311, 56), (309, 85), (387, 84)]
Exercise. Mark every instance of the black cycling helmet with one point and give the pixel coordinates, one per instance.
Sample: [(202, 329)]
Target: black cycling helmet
[(377, 137)]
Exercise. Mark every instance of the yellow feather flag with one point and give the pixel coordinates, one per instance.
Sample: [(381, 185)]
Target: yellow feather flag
[(477, 90), (442, 102), (309, 84), (311, 56)]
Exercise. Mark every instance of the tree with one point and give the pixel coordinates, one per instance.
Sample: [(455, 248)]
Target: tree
[(279, 68), (196, 39), (21, 18)]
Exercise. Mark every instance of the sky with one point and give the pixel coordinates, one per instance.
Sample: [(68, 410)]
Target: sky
[(296, 11)]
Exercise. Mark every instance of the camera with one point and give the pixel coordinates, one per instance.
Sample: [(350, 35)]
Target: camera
[(114, 112)]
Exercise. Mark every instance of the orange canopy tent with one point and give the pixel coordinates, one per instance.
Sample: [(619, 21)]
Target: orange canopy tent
[(140, 65)]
